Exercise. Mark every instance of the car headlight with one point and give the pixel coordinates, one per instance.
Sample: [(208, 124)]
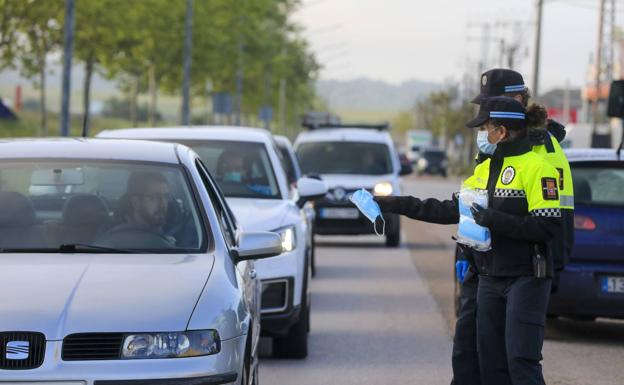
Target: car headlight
[(289, 238), (171, 345), (383, 189)]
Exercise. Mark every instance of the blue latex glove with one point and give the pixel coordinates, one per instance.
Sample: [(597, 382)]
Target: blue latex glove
[(461, 268)]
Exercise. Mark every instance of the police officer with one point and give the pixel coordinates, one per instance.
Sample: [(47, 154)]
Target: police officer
[(523, 215), (544, 141)]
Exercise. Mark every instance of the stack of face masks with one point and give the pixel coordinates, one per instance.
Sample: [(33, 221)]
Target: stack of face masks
[(363, 200), (469, 232)]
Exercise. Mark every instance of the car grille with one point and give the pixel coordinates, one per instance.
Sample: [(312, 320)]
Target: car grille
[(92, 346), (21, 350)]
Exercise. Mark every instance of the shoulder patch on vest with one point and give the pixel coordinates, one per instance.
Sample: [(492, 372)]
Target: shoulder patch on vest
[(549, 189), (508, 175)]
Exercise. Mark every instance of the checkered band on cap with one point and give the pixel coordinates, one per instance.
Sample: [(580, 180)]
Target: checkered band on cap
[(546, 213), (509, 193)]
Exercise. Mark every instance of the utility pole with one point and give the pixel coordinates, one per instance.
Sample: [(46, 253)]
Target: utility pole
[(188, 45), (68, 46), (598, 69), (239, 84), (537, 46)]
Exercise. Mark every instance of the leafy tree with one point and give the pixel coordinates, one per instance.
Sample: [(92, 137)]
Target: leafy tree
[(40, 33)]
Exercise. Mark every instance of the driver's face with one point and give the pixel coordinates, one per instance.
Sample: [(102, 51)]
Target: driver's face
[(234, 164), (151, 207)]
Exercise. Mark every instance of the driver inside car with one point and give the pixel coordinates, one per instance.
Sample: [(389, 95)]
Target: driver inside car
[(231, 168), (148, 195), (142, 213)]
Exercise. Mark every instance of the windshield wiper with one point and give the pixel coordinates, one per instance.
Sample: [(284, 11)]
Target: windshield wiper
[(82, 247)]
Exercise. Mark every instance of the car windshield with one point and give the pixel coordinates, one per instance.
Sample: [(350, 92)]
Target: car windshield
[(598, 183), (242, 169), (434, 156), (344, 158), (97, 206)]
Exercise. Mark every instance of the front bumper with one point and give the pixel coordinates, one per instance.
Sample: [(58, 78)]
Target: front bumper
[(221, 368), (579, 292)]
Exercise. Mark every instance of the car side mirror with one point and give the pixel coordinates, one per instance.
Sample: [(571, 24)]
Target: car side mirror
[(310, 189), (257, 245), (406, 169)]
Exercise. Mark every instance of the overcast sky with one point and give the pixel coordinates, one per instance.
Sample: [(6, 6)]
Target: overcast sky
[(434, 40)]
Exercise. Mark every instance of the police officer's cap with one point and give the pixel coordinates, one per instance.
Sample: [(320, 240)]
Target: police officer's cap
[(501, 108), (499, 81)]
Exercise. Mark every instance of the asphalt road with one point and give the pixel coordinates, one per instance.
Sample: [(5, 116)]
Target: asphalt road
[(385, 316)]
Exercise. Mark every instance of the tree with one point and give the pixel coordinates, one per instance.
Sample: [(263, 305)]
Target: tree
[(12, 14), (39, 33), (98, 26)]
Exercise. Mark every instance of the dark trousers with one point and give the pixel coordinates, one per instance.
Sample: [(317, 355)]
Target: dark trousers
[(465, 359), (511, 315)]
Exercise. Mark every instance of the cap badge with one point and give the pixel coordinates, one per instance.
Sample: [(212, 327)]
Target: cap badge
[(484, 80)]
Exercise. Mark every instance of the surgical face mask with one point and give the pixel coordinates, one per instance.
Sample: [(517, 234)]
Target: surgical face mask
[(363, 200), (484, 145), (233, 176)]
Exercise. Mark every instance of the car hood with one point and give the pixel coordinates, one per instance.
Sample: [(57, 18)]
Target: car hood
[(61, 294), (259, 214), (350, 181)]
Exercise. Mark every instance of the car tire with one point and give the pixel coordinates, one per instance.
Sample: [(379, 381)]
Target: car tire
[(295, 343)]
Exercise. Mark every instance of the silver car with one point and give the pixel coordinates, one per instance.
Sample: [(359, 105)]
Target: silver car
[(121, 263)]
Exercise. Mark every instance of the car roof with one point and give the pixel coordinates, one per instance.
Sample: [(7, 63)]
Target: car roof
[(240, 134), (282, 140), (591, 154), (345, 134), (83, 148)]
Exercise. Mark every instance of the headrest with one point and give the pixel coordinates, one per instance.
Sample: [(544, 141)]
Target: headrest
[(16, 209), (85, 209)]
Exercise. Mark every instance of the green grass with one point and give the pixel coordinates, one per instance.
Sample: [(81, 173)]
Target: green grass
[(29, 125)]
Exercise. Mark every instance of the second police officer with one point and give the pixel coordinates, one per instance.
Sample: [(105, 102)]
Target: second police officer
[(545, 142), (523, 215)]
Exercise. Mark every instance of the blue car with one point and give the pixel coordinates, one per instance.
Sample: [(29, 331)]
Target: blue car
[(592, 283)]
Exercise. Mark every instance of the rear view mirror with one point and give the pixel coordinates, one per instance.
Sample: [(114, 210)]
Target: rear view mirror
[(310, 189), (257, 245), (57, 177)]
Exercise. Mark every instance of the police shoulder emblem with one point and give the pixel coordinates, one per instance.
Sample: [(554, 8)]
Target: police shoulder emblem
[(549, 189), (484, 80), (508, 175)]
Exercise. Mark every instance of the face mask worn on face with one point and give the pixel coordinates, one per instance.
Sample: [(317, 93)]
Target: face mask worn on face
[(484, 145), (363, 200), (233, 177)]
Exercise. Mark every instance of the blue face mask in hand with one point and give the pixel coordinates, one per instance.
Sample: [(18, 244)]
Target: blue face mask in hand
[(484, 145), (363, 200)]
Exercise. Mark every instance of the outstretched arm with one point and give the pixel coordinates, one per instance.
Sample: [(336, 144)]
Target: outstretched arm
[(430, 210)]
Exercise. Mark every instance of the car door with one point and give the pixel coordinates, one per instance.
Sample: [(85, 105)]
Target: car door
[(231, 233)]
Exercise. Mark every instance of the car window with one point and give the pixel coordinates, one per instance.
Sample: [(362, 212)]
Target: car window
[(119, 205), (344, 158), (226, 219), (287, 163), (598, 183), (242, 169)]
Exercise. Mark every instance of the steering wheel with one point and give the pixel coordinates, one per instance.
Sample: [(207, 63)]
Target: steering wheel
[(131, 236)]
